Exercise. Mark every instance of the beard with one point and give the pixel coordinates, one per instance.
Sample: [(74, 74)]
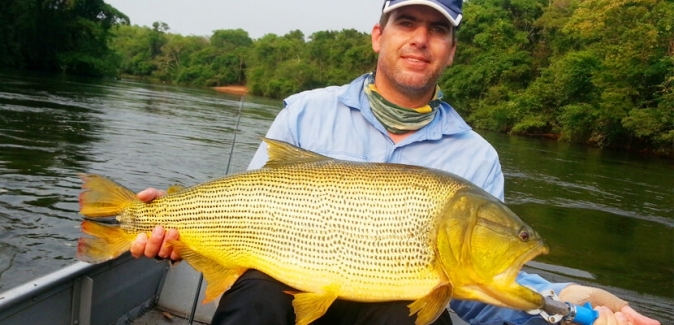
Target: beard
[(413, 84)]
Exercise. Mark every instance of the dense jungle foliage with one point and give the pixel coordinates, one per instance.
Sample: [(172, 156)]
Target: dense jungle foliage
[(71, 36), (599, 72)]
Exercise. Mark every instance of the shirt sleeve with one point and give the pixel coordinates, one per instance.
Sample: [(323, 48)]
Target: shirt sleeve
[(495, 181), (477, 313)]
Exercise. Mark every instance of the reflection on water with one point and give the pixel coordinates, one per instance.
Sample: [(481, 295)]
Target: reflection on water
[(140, 135), (607, 216)]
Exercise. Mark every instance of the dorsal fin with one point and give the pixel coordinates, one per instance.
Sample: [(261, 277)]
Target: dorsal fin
[(283, 153), (175, 188)]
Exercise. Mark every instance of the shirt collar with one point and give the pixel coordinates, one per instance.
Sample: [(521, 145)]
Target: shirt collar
[(446, 122)]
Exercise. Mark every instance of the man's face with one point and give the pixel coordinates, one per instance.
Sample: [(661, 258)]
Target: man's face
[(414, 47)]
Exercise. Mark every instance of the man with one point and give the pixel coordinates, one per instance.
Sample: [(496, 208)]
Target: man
[(392, 115)]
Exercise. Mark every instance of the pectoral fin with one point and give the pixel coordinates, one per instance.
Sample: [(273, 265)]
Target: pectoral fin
[(310, 306), (218, 278), (429, 307)]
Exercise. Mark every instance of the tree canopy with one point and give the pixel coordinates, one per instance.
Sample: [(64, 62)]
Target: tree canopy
[(594, 71), (59, 35), (599, 72)]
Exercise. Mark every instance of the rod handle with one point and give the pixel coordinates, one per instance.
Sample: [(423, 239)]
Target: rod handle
[(585, 314)]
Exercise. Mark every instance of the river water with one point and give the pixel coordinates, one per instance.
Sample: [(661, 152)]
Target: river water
[(607, 216)]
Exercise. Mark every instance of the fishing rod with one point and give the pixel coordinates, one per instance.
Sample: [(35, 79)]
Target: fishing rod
[(229, 162)]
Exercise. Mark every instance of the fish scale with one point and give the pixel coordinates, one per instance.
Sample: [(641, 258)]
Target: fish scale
[(331, 229), (372, 231)]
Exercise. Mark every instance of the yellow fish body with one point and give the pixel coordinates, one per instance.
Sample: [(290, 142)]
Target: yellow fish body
[(331, 229)]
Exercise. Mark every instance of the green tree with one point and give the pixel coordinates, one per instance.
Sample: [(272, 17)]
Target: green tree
[(268, 54), (210, 67), (70, 36), (234, 46), (632, 42), (339, 56), (593, 71), (280, 66), (494, 60), (176, 56), (131, 43)]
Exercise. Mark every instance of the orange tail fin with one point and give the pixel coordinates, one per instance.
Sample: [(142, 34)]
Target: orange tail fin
[(102, 197), (109, 242)]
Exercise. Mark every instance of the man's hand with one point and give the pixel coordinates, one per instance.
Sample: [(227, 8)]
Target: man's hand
[(155, 245), (607, 317), (610, 304)]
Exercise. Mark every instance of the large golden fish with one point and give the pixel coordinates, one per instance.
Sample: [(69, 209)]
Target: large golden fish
[(331, 229)]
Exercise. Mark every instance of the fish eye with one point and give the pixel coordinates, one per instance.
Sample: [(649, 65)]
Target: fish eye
[(524, 235)]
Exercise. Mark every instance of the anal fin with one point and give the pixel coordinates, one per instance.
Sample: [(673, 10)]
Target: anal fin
[(218, 278)]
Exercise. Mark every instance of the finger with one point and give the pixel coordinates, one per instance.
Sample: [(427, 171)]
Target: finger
[(621, 319), (149, 194), (606, 317), (154, 242), (174, 254), (138, 246), (175, 257), (637, 319), (166, 250)]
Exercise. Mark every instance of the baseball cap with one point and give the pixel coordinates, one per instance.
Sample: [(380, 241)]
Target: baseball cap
[(451, 9)]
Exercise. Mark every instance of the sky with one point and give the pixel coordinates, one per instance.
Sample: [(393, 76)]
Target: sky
[(257, 17)]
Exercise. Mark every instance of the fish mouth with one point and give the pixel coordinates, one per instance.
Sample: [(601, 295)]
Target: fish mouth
[(502, 289), (510, 293), (511, 273)]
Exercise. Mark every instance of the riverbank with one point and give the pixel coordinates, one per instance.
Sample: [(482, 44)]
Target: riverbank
[(230, 89), (233, 89), (633, 146)]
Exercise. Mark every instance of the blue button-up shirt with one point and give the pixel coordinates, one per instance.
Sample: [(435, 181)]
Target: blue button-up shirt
[(337, 122)]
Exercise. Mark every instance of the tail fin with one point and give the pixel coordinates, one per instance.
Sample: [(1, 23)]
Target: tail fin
[(110, 241), (102, 197)]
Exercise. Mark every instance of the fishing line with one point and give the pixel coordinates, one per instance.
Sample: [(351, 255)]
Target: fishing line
[(229, 162), (231, 149)]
